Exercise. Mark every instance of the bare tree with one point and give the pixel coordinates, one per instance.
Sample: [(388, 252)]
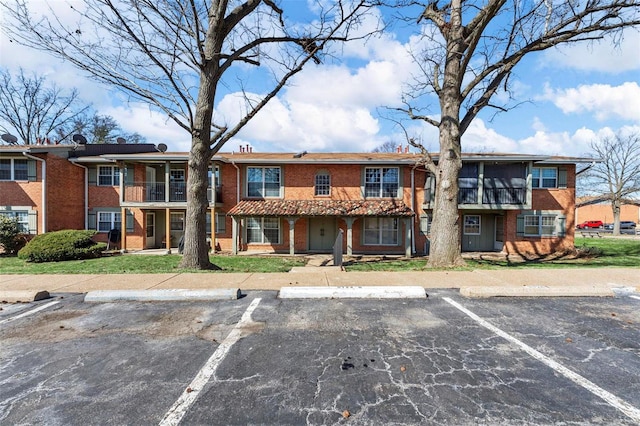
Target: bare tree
[(103, 129), (388, 146), (180, 55), (31, 109), (617, 176), (469, 49)]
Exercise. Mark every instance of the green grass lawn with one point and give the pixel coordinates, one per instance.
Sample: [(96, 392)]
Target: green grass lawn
[(146, 264), (607, 252)]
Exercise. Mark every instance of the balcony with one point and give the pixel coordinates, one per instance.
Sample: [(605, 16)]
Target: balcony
[(493, 196), (154, 192)]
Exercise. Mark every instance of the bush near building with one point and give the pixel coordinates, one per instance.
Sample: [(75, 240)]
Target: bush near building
[(62, 245), (11, 239)]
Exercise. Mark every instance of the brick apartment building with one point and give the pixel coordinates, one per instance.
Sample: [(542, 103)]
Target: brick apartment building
[(289, 203)]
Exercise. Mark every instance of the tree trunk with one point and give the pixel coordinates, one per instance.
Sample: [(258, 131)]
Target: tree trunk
[(615, 206), (445, 230)]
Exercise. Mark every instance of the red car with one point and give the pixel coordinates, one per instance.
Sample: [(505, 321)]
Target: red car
[(590, 224)]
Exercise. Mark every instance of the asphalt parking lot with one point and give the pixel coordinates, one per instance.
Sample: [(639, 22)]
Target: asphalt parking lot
[(263, 360)]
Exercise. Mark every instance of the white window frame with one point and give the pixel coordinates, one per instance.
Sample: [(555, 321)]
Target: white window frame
[(112, 178), (262, 191), (257, 224), (541, 225), (13, 169), (470, 224), (376, 230), (114, 219), (378, 188), (322, 184), (539, 181), (179, 224), (23, 219)]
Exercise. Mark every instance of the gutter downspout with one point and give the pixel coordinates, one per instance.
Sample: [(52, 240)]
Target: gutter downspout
[(44, 189), (86, 193), (235, 225), (413, 202)]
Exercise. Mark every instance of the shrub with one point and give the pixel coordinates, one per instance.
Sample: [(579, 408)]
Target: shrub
[(11, 239), (62, 245)]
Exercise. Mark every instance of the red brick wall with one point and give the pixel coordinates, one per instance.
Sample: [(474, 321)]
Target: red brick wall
[(604, 213), (65, 194)]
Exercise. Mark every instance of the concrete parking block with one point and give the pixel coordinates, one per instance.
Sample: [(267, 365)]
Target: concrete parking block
[(166, 295), (23, 296), (392, 292), (537, 291)]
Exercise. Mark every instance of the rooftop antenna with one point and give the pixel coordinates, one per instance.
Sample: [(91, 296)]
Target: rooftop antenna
[(9, 138), (162, 147), (121, 140)]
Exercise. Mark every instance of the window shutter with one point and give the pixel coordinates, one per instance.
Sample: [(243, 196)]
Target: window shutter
[(93, 176), (33, 222), (562, 178), (221, 225), (561, 226), (520, 225), (91, 220), (128, 175), (129, 220), (31, 171)]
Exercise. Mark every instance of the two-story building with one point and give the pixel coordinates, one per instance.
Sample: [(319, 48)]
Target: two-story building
[(290, 202)]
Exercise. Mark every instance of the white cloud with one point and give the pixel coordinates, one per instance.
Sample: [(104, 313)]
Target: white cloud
[(603, 100), (479, 138), (605, 55)]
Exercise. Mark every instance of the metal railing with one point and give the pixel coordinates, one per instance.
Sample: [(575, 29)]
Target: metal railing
[(150, 192)]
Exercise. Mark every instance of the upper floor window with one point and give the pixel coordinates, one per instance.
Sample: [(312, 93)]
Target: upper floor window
[(14, 169), (263, 182), (108, 176), (177, 175), (544, 177), (323, 184), (381, 182)]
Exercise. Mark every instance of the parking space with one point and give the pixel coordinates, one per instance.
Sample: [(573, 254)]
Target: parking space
[(264, 360)]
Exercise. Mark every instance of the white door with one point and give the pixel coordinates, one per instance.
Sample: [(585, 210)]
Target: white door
[(498, 242), (151, 230)]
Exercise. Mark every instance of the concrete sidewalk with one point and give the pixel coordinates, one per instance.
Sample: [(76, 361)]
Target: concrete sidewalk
[(525, 282)]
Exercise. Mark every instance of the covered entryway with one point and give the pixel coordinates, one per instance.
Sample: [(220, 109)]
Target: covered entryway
[(322, 233), (498, 243), (150, 241)]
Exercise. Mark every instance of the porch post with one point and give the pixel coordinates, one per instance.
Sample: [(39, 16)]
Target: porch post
[(123, 230), (167, 229), (407, 237), (167, 173), (213, 229), (349, 221), (234, 235), (480, 183), (292, 239)]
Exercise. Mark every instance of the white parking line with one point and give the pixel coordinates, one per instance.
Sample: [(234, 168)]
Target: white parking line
[(628, 409), (635, 297), (189, 396), (32, 311)]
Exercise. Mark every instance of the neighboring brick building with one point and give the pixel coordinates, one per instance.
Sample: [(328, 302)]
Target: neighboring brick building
[(597, 208), (291, 203)]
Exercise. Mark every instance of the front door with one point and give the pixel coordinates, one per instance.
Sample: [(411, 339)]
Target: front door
[(498, 243), (151, 230), (322, 234)]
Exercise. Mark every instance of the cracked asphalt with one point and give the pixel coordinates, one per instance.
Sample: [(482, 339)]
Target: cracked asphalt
[(293, 362)]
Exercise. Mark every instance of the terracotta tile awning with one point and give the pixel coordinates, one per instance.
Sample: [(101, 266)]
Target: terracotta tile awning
[(320, 208)]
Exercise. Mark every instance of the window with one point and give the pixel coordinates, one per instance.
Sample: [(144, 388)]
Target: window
[(263, 230), (544, 177), (108, 176), (541, 225), (471, 224), (221, 226), (177, 221), (14, 169), (263, 182), (323, 184), (108, 221), (381, 182), (381, 231), (22, 217), (176, 175)]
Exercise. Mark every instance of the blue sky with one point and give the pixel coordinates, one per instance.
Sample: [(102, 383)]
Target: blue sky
[(570, 96)]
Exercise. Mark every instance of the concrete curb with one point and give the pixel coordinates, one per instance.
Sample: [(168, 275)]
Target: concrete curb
[(168, 295), (23, 296), (538, 291), (382, 292)]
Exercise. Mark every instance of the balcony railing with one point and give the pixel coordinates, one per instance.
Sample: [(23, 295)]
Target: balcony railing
[(493, 196), (147, 192)]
